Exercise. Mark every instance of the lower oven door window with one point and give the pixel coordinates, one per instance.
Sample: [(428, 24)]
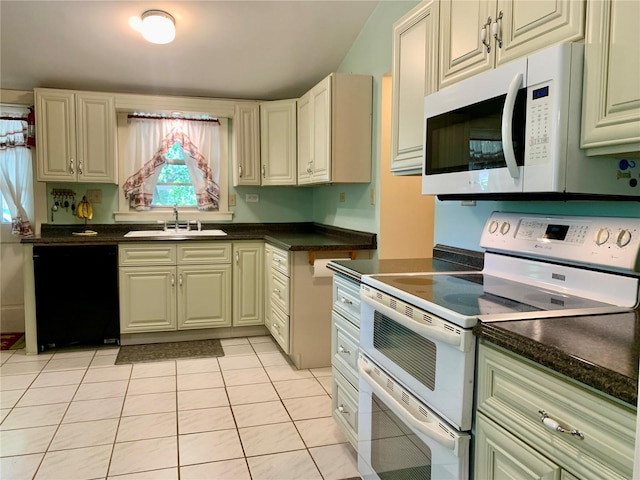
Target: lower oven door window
[(399, 438)]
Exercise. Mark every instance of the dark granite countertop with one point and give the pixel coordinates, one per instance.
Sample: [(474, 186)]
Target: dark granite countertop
[(290, 236), (600, 351)]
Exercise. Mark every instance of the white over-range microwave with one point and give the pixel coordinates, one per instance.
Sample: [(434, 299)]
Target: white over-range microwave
[(516, 129)]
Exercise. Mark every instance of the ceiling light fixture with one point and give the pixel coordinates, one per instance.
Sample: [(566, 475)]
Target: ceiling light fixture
[(158, 27)]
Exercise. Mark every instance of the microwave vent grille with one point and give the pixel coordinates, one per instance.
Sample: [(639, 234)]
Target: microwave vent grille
[(390, 385), (423, 412), (408, 311), (449, 327), (393, 304), (405, 398), (427, 318)]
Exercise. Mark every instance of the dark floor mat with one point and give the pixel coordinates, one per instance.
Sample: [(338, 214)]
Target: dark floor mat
[(155, 352)]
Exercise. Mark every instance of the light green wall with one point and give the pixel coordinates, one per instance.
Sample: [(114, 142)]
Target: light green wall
[(370, 55)]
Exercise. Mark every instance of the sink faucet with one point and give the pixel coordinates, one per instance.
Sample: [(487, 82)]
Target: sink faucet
[(175, 214)]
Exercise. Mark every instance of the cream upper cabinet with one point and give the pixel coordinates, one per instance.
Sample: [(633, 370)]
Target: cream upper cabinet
[(246, 136), (76, 134), (611, 105), (248, 283), (278, 142), (415, 74), (477, 35), (334, 131)]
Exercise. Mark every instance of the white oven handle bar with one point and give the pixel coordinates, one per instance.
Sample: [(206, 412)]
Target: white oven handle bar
[(424, 330), (420, 425)]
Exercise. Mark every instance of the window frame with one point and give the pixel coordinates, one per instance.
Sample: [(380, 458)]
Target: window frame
[(223, 110)]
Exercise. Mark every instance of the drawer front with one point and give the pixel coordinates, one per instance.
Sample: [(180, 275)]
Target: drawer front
[(346, 298), (279, 290), (344, 347), (512, 390), (204, 253), (280, 328), (143, 254), (344, 407), (279, 260)]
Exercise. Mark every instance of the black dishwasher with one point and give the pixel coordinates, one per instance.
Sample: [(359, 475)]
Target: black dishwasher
[(76, 295)]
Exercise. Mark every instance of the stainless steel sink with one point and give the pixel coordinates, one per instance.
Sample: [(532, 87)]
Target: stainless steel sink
[(178, 234)]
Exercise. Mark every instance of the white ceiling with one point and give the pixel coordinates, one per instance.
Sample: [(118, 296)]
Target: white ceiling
[(226, 49)]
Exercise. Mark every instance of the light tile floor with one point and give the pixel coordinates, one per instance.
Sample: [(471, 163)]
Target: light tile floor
[(248, 415)]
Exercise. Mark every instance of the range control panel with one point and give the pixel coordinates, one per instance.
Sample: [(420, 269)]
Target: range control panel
[(610, 242)]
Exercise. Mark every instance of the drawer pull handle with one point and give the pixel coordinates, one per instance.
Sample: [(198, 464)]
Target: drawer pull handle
[(346, 301), (342, 410), (341, 349), (551, 424), (277, 291), (276, 326)]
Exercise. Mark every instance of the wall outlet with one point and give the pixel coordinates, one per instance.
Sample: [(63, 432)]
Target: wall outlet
[(232, 199), (372, 196), (252, 198), (94, 196), (342, 196)]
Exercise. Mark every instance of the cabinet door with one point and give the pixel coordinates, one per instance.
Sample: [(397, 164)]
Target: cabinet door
[(462, 53), (415, 68), (248, 285), (611, 106), (204, 296), (321, 131), (56, 133), (305, 144), (147, 299), (501, 456), (527, 26), (246, 134), (278, 142), (96, 138)]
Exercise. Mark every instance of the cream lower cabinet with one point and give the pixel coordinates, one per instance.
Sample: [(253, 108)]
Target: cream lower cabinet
[(415, 74), (611, 96), (334, 131), (76, 134), (511, 440), (248, 283), (345, 333), (172, 286), (277, 272), (522, 27)]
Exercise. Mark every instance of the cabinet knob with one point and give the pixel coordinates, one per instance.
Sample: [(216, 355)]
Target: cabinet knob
[(173, 280), (72, 167), (240, 171), (180, 280), (237, 258), (346, 301), (276, 326), (341, 349), (342, 410), (264, 172), (276, 291), (80, 169)]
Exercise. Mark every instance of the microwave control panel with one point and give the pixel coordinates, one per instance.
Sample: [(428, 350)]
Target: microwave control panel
[(538, 133), (606, 241)]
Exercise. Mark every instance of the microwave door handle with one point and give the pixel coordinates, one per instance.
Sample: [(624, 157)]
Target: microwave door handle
[(420, 425), (507, 123), (425, 330)]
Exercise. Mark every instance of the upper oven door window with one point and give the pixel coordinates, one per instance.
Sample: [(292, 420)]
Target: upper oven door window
[(470, 138)]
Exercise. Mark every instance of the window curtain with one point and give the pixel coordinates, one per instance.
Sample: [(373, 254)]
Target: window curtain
[(16, 174), (149, 141)]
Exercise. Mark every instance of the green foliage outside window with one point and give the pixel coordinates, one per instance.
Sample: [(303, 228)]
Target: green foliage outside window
[(174, 183)]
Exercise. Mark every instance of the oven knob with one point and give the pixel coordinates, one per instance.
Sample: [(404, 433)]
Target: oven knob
[(493, 226), (602, 235), (624, 237), (504, 228)]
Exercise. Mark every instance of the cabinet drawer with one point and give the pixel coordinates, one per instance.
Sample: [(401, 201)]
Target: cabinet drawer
[(141, 254), (346, 298), (344, 347), (204, 253), (280, 328), (512, 390), (344, 406), (279, 260), (279, 290)]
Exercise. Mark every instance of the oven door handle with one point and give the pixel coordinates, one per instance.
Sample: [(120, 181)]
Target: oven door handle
[(425, 330), (431, 431)]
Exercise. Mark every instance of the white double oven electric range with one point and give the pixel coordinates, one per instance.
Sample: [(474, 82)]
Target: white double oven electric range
[(417, 349)]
